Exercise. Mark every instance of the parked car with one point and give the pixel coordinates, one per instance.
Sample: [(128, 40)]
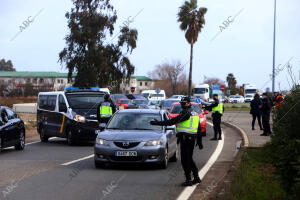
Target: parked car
[(129, 138), (236, 99), (152, 95), (123, 103), (249, 98), (12, 129), (176, 109), (166, 104), (70, 114), (138, 103)]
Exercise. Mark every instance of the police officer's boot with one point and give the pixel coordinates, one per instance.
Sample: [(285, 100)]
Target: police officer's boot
[(196, 178), (215, 137), (188, 181), (220, 136)]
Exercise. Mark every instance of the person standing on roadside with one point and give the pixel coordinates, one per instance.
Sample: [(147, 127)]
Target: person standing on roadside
[(217, 109), (105, 110), (189, 134), (266, 110), (256, 105), (278, 99)]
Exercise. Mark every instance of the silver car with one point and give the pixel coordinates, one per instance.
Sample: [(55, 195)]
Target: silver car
[(129, 138)]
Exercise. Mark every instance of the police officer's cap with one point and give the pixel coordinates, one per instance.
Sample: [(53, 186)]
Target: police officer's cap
[(185, 100), (106, 97)]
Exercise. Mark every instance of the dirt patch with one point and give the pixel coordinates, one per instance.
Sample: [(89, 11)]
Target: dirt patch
[(9, 101), (32, 135)]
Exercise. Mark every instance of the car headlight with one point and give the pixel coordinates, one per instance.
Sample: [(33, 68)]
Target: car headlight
[(79, 118), (201, 120), (154, 143), (101, 142)]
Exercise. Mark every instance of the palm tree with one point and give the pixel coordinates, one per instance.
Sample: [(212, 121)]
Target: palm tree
[(191, 21)]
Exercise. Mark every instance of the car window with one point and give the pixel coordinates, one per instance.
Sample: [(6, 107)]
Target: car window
[(10, 114), (51, 102), (134, 121), (43, 102), (4, 117), (61, 103)]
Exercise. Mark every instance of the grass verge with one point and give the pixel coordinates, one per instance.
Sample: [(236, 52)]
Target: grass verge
[(255, 178)]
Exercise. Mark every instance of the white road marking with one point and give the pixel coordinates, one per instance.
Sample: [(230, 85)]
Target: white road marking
[(40, 141), (188, 191), (80, 159)]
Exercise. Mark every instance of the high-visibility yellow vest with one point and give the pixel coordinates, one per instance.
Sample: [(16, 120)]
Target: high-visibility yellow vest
[(189, 126), (218, 108), (105, 110)]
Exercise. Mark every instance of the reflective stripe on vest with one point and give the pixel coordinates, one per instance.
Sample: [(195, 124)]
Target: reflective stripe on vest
[(105, 110), (189, 126), (218, 108)]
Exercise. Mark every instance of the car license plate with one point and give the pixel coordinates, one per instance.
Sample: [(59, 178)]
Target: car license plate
[(126, 153)]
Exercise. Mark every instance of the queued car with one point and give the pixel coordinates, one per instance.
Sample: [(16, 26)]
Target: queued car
[(123, 103), (12, 129), (177, 96), (166, 104), (176, 109), (236, 99), (249, 98), (138, 103), (135, 96), (116, 98), (130, 138), (153, 104)]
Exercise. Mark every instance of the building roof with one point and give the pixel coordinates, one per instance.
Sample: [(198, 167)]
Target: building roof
[(10, 74), (142, 78)]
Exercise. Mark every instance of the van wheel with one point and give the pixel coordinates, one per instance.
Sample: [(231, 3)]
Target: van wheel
[(21, 143), (43, 136), (70, 139)]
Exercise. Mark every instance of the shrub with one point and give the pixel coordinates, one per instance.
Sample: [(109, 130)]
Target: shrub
[(285, 143)]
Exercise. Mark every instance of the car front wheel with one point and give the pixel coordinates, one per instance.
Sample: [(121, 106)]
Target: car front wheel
[(164, 163), (21, 144), (43, 136)]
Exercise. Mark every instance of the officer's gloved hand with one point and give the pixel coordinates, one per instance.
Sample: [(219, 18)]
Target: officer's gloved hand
[(155, 122)]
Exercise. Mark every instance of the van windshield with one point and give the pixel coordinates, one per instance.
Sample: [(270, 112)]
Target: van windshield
[(156, 95), (199, 90), (84, 100)]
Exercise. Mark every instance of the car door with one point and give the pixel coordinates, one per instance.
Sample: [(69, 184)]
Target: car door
[(61, 115), (171, 135), (7, 132), (52, 126), (14, 124)]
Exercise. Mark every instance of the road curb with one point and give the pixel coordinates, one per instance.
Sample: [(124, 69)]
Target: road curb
[(239, 130)]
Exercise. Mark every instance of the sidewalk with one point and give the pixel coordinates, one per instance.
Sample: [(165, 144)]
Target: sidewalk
[(244, 120)]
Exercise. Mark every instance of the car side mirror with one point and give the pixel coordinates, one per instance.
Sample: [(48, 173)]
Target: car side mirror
[(102, 126)]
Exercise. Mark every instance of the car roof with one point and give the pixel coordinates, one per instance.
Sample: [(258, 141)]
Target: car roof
[(178, 103), (146, 111)]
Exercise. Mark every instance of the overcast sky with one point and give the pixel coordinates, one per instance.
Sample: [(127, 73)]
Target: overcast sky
[(243, 48)]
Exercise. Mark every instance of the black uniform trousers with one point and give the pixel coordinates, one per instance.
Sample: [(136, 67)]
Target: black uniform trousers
[(266, 123), (217, 124), (187, 144)]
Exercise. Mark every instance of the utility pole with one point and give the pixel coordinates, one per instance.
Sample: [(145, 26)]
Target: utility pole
[(274, 45)]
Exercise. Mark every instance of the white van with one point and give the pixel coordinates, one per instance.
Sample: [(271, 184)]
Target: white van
[(152, 95)]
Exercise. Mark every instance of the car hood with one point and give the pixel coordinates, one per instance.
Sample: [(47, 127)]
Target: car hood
[(130, 135), (87, 113)]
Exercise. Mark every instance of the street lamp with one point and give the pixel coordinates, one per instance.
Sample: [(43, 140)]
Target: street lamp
[(274, 44)]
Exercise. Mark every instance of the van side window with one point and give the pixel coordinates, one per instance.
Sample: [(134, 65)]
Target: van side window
[(10, 114), (62, 104), (43, 102), (51, 103)]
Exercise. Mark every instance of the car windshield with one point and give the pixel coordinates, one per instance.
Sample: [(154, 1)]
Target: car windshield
[(251, 91), (134, 121), (248, 95), (168, 103), (153, 102), (84, 100), (237, 97), (124, 101), (176, 109), (140, 102), (156, 95)]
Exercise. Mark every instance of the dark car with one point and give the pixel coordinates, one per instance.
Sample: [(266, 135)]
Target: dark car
[(12, 129), (167, 103), (138, 103), (116, 98)]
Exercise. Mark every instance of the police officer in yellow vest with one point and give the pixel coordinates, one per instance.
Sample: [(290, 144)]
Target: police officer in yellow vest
[(188, 133), (217, 109), (105, 109)]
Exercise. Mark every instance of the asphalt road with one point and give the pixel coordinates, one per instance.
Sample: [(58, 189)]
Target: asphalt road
[(38, 173)]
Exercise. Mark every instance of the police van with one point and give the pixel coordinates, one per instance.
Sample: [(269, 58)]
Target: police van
[(70, 114)]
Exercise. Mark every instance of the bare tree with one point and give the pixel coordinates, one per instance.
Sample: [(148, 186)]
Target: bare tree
[(169, 76), (213, 81)]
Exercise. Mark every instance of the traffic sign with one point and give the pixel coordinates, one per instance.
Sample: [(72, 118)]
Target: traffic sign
[(132, 89), (198, 100), (157, 90), (222, 88)]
